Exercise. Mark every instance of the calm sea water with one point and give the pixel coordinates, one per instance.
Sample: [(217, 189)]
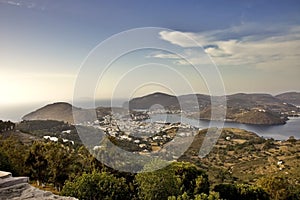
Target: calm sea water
[(16, 112), (278, 132)]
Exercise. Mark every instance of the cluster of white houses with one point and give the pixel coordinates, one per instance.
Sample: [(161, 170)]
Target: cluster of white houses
[(55, 139), (149, 136)]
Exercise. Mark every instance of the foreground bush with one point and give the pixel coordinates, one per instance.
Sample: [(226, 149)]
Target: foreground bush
[(241, 191), (174, 180), (97, 185), (280, 187)]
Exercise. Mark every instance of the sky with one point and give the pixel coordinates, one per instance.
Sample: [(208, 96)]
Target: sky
[(53, 50)]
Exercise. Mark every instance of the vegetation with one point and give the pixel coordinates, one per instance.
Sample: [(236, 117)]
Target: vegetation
[(4, 162), (6, 126), (52, 128), (44, 162), (157, 184), (12, 153), (279, 187), (97, 185), (241, 166), (241, 191)]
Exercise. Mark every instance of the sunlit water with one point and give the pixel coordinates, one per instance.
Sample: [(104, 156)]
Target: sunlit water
[(278, 132), (16, 112)]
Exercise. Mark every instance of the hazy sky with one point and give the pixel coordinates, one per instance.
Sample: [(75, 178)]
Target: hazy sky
[(43, 43)]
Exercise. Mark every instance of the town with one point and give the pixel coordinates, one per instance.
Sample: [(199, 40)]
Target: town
[(139, 132)]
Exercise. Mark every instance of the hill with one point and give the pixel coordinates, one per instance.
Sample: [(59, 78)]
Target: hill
[(290, 97), (57, 111), (242, 100), (243, 156), (259, 117), (242, 108), (145, 102)]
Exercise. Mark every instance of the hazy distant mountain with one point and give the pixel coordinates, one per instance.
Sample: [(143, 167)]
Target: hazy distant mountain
[(265, 101), (290, 97), (235, 101), (243, 100), (57, 111)]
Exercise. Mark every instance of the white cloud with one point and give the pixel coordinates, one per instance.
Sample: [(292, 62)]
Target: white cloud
[(217, 52), (164, 55), (188, 56), (12, 3), (244, 45), (22, 3), (183, 39)]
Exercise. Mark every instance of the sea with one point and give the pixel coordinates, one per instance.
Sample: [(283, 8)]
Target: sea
[(277, 132), (15, 112)]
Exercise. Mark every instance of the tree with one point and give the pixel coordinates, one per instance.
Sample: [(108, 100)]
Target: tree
[(4, 162), (278, 187), (184, 196), (159, 184), (202, 196), (6, 126), (192, 179), (97, 186), (50, 162), (295, 194), (211, 196), (226, 191), (60, 160), (241, 191), (251, 192), (177, 179), (37, 162), (15, 152), (292, 140)]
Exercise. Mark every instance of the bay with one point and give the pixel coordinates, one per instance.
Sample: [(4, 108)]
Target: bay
[(278, 132)]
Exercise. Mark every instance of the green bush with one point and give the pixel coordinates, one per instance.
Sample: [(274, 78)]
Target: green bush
[(280, 187), (241, 191), (97, 185), (177, 179)]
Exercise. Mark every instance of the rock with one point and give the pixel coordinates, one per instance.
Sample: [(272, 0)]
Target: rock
[(17, 188)]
